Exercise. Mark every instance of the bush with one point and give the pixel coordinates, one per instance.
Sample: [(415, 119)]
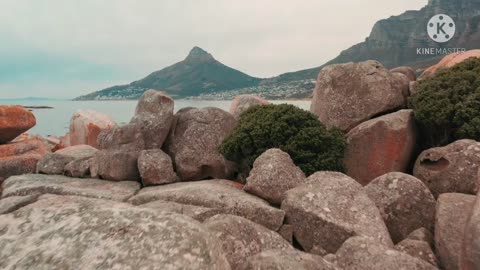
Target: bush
[(299, 133), (447, 105)]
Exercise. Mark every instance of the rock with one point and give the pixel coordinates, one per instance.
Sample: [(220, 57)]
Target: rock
[(381, 145), (196, 212), (450, 221), (127, 137), (71, 232), (450, 169), (156, 168), (421, 234), (405, 203), (418, 249), (86, 125), (54, 163), (273, 173), (115, 165), (413, 88), (38, 184), (407, 71), (194, 141), (14, 120), (286, 260), (362, 253), (450, 61), (154, 114), (241, 238), (330, 208), (242, 103), (79, 168), (349, 94), (286, 231), (470, 259), (21, 157), (13, 203), (216, 194)]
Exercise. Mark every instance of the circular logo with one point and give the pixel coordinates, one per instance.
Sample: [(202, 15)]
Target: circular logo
[(441, 28)]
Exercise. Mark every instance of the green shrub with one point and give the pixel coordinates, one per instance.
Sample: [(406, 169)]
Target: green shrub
[(299, 133), (447, 105)]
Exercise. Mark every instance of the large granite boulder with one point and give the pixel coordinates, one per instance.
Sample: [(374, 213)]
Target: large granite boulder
[(86, 125), (127, 137), (242, 103), (450, 61), (405, 203), (453, 210), (54, 163), (349, 94), (241, 238), (115, 165), (68, 232), (470, 256), (273, 173), (38, 184), (330, 208), (407, 71), (288, 259), (418, 249), (215, 194), (79, 168), (450, 169), (363, 253), (381, 145), (194, 141), (14, 120), (156, 168)]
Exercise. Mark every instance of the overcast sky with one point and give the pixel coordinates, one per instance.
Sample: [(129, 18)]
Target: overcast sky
[(65, 48)]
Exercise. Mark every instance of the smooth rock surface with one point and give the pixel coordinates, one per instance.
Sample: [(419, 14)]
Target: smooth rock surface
[(286, 260), (14, 120), (156, 168), (242, 103), (86, 125), (450, 61), (79, 168), (407, 71)]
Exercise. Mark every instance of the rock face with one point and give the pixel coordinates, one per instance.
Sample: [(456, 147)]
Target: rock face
[(13, 203), (286, 260), (362, 253), (407, 71), (329, 209), (450, 169), (452, 213), (381, 145), (199, 213), (101, 234), (349, 94), (21, 157), (54, 163), (156, 168), (86, 125), (272, 175), (14, 120), (78, 168), (215, 194), (471, 242), (194, 140), (115, 165), (405, 203), (450, 61), (418, 249), (241, 238), (243, 102)]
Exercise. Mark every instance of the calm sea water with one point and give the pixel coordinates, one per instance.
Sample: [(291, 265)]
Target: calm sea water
[(56, 121)]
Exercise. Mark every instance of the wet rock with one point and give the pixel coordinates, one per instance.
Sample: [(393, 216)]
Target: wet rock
[(407, 71), (156, 168), (330, 208), (418, 249), (381, 145), (242, 103), (13, 203), (470, 259), (54, 163), (14, 120), (286, 260), (86, 125)]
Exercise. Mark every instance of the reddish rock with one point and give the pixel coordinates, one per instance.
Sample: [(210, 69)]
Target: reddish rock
[(453, 210), (450, 61), (243, 102), (14, 120), (470, 257), (450, 169), (381, 145), (349, 94), (85, 126), (115, 165), (156, 168)]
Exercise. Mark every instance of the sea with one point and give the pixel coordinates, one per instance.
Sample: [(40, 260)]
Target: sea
[(55, 121)]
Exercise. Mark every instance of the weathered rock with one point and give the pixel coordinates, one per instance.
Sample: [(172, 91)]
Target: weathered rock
[(242, 238), (450, 61), (286, 260), (405, 203), (349, 94), (362, 253), (115, 165), (156, 168), (21, 157), (470, 256), (14, 120), (196, 212), (451, 218), (216, 194), (242, 103), (330, 208), (381, 145), (54, 163), (13, 203), (127, 137), (450, 169), (418, 249), (86, 125), (38, 184), (422, 234), (413, 88), (286, 231), (194, 141), (272, 175), (71, 232), (407, 71), (79, 168)]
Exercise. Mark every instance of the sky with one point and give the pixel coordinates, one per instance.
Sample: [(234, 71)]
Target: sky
[(66, 48)]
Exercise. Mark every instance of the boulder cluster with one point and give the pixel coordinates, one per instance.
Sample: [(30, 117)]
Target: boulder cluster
[(156, 193)]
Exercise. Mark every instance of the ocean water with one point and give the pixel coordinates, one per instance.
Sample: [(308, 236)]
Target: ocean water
[(56, 121)]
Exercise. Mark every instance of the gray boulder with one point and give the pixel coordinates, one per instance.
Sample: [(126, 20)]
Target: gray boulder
[(54, 163), (286, 260), (156, 168)]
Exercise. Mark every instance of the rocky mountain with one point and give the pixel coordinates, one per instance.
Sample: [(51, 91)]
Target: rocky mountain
[(198, 73)]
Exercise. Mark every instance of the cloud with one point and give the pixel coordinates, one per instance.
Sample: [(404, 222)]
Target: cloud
[(61, 42)]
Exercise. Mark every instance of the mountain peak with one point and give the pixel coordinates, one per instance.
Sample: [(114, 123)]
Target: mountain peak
[(198, 54)]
